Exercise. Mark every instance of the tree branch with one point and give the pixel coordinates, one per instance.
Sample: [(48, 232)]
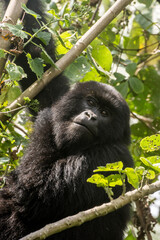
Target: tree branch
[(88, 215), (76, 50), (13, 12)]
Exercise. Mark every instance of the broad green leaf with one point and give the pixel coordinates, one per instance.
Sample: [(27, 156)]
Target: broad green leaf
[(53, 6), (77, 70), (27, 10), (119, 77), (92, 75), (114, 180), (148, 163), (136, 85), (154, 160), (2, 53), (123, 88), (130, 236), (15, 72), (99, 180), (150, 174), (102, 55), (132, 177), (16, 30), (131, 43), (116, 166), (47, 58), (151, 143), (64, 45), (36, 65), (45, 37), (13, 93), (131, 68), (146, 2)]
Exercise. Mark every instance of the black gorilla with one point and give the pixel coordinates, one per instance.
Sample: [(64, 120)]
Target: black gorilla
[(87, 127)]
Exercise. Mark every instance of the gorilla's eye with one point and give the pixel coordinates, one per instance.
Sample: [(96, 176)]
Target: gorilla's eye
[(105, 113), (91, 102)]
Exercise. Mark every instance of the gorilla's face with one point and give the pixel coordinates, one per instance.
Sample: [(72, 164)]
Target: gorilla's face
[(91, 113)]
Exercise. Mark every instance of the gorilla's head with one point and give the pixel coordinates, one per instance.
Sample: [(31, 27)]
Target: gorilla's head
[(90, 113)]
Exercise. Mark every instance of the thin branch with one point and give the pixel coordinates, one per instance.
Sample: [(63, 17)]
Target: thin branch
[(88, 215), (95, 13), (20, 128), (147, 121), (71, 55)]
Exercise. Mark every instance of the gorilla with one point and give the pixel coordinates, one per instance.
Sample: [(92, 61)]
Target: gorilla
[(87, 125), (86, 128)]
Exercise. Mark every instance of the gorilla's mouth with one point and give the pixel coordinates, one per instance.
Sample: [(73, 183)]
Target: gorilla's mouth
[(88, 128)]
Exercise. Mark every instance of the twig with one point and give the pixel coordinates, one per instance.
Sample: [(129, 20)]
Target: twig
[(144, 120), (95, 13)]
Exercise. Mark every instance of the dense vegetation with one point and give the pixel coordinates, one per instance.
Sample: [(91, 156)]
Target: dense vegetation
[(126, 55)]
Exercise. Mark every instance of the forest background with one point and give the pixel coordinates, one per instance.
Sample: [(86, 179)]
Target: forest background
[(125, 55)]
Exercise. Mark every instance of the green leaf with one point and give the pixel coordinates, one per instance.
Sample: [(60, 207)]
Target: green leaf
[(45, 37), (150, 174), (148, 163), (151, 143), (36, 65), (132, 177), (92, 75), (99, 180), (136, 85), (77, 70), (116, 166), (64, 45), (123, 88), (13, 93), (114, 180), (131, 68), (15, 72), (47, 58), (110, 181), (53, 6), (27, 10), (130, 236), (119, 77), (154, 160), (2, 53), (102, 55), (16, 30), (147, 3)]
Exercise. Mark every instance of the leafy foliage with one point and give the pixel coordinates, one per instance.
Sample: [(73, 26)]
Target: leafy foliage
[(136, 177), (125, 55)]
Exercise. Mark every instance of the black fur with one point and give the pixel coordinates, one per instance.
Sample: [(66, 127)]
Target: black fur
[(50, 182), (85, 128)]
